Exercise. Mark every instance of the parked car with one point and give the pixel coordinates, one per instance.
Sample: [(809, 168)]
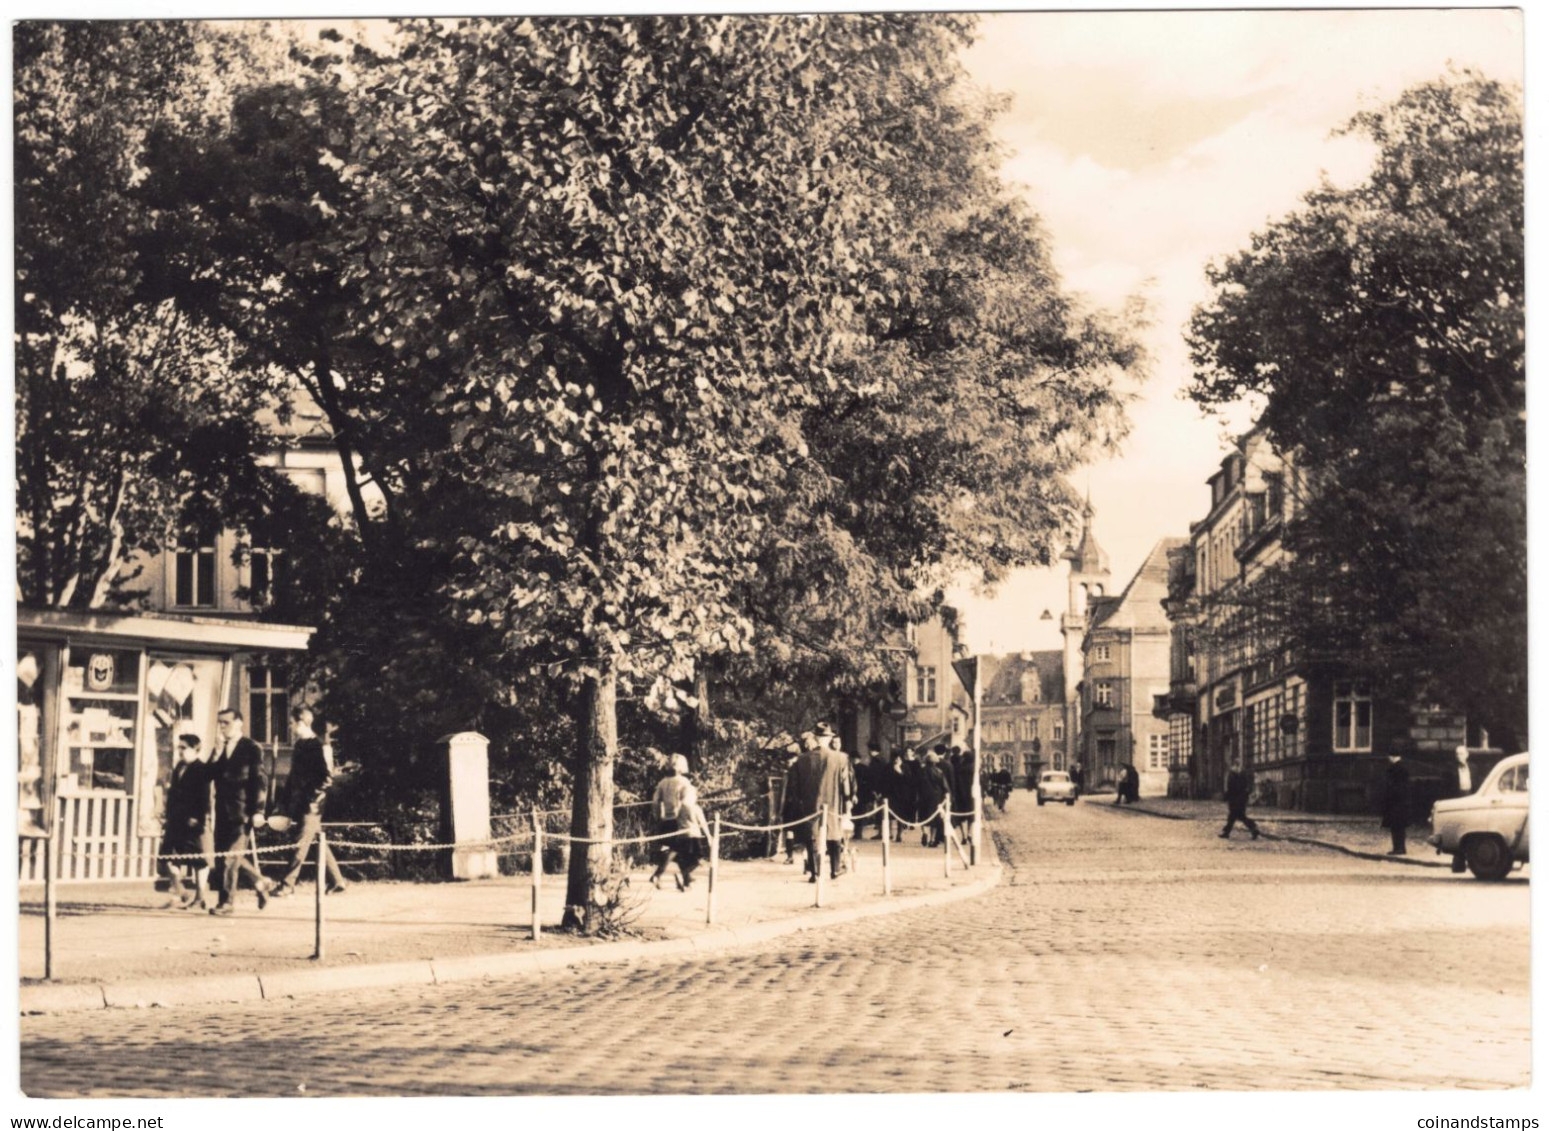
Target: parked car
[(1055, 785), (1487, 830)]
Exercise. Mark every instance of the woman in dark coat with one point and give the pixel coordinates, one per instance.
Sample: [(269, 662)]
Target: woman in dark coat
[(186, 813)]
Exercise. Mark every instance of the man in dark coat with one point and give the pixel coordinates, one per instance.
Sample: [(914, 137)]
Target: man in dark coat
[(311, 773), (236, 765), (824, 788), (962, 785), (1238, 786), (900, 791), (870, 787), (186, 814), (1395, 803), (936, 789)]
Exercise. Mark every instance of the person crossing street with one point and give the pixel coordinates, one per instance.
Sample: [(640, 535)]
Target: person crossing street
[(1238, 788)]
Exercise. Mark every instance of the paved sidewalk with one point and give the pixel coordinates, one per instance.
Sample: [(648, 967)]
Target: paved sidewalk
[(1358, 836), (119, 945)]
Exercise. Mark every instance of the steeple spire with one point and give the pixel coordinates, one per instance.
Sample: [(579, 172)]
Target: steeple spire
[(1087, 556)]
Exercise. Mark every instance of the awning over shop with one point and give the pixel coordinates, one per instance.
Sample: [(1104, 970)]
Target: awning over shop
[(215, 633)]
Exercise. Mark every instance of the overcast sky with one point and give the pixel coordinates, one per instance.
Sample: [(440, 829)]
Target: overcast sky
[(1153, 142)]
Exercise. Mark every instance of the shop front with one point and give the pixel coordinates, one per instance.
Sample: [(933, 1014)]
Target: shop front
[(102, 699)]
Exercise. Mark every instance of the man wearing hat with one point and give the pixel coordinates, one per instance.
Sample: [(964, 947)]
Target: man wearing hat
[(822, 788)]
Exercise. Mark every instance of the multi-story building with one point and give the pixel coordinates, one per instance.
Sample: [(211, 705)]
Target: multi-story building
[(938, 706), (1125, 665), (1176, 707), (1314, 735), (1022, 713)]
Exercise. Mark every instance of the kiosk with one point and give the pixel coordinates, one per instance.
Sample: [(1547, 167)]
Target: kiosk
[(101, 698)]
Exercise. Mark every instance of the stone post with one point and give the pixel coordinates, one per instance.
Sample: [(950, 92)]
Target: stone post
[(467, 799)]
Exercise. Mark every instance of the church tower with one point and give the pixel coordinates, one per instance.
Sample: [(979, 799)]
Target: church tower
[(1088, 579)]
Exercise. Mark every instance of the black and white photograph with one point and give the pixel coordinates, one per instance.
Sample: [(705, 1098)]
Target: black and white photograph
[(771, 553)]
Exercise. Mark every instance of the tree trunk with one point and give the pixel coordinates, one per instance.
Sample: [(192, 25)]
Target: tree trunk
[(697, 720), (591, 814)]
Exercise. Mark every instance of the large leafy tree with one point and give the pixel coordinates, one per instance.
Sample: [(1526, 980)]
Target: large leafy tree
[(655, 256), (660, 343), (130, 414), (1383, 327)]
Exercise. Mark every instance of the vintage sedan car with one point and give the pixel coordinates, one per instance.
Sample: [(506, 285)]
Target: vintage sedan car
[(1055, 785), (1488, 829)]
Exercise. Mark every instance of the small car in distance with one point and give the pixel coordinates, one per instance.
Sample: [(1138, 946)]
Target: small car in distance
[(1055, 785), (1486, 831)]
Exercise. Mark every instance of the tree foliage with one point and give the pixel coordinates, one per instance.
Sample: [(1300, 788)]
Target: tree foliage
[(1383, 325), (658, 346), (130, 414)]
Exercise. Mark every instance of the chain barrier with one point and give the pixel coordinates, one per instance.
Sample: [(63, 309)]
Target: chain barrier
[(523, 837), (534, 839)]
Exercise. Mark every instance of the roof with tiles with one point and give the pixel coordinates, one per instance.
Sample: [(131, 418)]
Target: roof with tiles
[(1003, 677)]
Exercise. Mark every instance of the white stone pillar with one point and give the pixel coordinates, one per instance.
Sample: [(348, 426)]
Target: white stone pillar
[(467, 763)]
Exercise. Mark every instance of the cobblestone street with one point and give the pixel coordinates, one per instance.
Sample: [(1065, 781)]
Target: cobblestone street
[(1121, 952)]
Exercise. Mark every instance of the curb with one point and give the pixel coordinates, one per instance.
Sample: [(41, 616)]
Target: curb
[(1381, 857), (221, 988)]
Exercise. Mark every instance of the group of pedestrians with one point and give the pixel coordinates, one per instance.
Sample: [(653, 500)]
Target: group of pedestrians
[(821, 789), (218, 799)]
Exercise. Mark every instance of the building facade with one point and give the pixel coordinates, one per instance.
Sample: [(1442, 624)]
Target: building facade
[(1125, 665), (937, 705), (1021, 713), (1314, 735)]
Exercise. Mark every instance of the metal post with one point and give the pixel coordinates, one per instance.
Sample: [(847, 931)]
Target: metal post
[(322, 886), (817, 852), (946, 841), (887, 841), (715, 862), (772, 838), (537, 872), (977, 821), (50, 907)]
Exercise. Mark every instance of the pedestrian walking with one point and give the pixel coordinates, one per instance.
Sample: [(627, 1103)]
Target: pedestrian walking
[(666, 809), (900, 791), (1239, 785), (1395, 803), (237, 770), (869, 787), (693, 838), (794, 836), (1077, 776), (1128, 785), (936, 791), (311, 773), (185, 816), (824, 788), (962, 763)]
